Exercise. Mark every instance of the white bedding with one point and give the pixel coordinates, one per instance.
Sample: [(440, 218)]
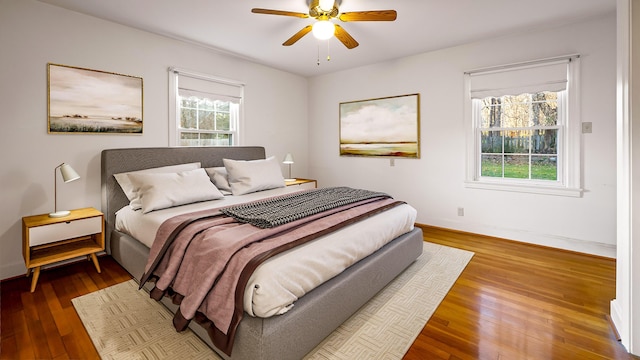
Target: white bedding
[(279, 282)]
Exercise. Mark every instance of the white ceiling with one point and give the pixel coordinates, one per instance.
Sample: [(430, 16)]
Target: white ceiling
[(421, 26)]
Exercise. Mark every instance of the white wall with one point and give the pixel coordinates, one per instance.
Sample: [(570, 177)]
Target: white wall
[(625, 308), (434, 184), (33, 34)]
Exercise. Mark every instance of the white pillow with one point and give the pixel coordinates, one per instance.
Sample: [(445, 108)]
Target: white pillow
[(247, 176), (165, 190), (126, 185), (219, 178)]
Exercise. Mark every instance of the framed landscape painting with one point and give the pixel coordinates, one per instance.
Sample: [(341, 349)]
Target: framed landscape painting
[(92, 101), (385, 127)]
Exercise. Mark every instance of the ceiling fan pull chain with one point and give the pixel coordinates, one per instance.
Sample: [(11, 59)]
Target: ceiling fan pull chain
[(318, 54), (328, 55)]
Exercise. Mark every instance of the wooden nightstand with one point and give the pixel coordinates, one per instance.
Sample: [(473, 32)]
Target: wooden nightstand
[(46, 240), (303, 183)]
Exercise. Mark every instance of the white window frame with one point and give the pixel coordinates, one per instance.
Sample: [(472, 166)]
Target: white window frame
[(569, 138), (174, 106)]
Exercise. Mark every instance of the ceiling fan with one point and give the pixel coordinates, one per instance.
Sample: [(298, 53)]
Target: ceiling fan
[(325, 10)]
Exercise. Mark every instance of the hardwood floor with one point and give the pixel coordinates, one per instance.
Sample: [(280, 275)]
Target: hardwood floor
[(517, 301), (44, 324), (513, 301)]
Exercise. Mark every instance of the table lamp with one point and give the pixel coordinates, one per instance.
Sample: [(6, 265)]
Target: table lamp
[(68, 175), (288, 159)]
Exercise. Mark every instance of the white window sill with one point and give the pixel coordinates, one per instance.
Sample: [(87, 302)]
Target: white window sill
[(533, 189)]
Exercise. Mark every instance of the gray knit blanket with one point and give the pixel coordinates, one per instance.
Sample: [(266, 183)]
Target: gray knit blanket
[(283, 209)]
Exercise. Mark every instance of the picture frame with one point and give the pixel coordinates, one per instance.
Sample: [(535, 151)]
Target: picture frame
[(81, 101), (381, 127)]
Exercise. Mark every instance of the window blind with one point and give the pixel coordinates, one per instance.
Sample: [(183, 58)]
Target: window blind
[(519, 79), (194, 84)]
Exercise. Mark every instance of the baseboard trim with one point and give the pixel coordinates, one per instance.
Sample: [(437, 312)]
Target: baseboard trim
[(613, 328), (618, 324), (592, 248)]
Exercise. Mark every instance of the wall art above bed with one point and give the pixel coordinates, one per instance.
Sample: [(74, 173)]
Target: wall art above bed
[(382, 127), (92, 101)]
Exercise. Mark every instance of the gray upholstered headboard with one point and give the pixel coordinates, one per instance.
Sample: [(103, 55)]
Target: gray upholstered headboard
[(115, 161)]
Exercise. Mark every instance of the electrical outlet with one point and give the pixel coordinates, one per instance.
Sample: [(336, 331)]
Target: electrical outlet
[(460, 211), (587, 127)]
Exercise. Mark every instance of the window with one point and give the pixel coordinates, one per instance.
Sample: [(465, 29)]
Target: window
[(204, 110), (519, 136), (523, 128)]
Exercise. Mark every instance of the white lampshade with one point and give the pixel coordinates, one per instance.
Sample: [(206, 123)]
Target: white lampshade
[(288, 159), (68, 175), (323, 29)]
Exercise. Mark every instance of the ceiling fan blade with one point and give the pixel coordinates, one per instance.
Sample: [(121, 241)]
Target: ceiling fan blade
[(297, 36), (373, 15), (279, 12), (345, 38)]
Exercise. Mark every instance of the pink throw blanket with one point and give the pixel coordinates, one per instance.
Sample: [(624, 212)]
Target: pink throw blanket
[(203, 260)]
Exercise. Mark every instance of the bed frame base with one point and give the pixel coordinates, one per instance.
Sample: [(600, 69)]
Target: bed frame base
[(314, 316)]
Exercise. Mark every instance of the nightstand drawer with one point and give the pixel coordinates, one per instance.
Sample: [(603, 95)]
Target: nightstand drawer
[(307, 185), (40, 235), (303, 184)]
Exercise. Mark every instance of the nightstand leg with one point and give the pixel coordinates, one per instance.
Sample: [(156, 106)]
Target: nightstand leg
[(34, 280), (94, 258)]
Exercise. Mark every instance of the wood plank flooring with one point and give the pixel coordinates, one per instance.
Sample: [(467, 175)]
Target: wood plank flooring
[(513, 301), (44, 324), (518, 301)]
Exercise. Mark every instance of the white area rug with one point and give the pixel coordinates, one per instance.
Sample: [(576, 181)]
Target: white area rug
[(125, 323)]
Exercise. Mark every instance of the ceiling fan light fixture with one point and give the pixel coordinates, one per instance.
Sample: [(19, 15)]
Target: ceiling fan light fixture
[(323, 11), (323, 29)]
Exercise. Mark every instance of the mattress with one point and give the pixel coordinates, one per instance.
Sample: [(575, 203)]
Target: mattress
[(279, 282)]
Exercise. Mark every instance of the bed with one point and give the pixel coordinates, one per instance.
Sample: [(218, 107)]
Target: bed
[(313, 316)]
